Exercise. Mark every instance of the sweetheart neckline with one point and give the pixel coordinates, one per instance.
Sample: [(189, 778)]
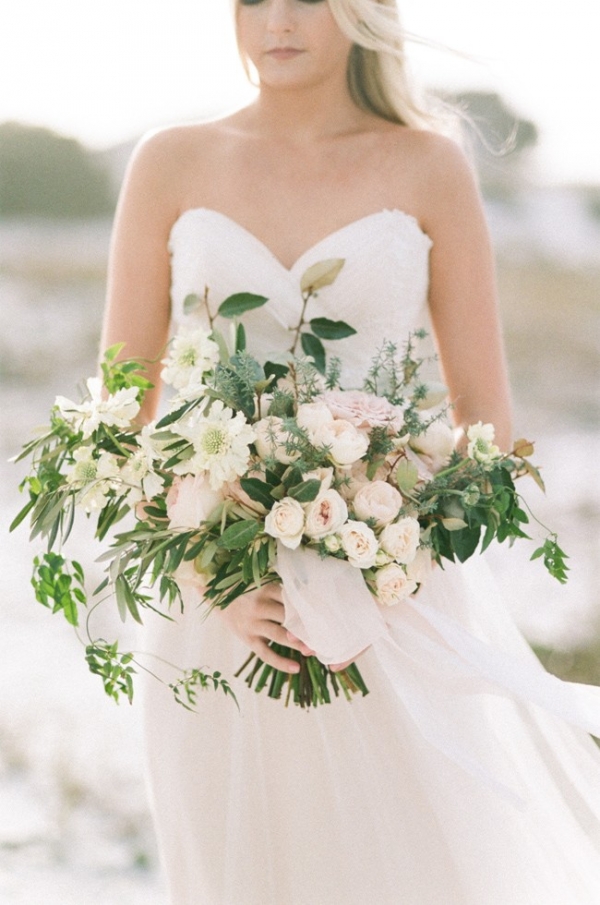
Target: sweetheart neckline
[(406, 217)]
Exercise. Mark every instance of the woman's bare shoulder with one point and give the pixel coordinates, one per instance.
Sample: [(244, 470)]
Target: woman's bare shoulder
[(167, 161)]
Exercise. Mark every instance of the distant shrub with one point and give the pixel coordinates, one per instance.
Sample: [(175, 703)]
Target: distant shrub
[(46, 174)]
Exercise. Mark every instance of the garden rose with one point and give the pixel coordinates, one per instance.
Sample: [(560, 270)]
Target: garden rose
[(363, 410), (190, 500), (393, 585), (359, 544), (325, 515), (401, 539), (312, 415), (285, 521), (346, 443), (271, 440), (377, 500), (437, 443)]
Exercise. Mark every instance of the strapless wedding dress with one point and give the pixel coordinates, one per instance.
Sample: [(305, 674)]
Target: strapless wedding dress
[(465, 777)]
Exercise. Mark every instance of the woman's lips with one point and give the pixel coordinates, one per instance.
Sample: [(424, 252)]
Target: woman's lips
[(284, 53)]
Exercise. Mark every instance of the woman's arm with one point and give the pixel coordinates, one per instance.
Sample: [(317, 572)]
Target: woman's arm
[(138, 309), (463, 298)]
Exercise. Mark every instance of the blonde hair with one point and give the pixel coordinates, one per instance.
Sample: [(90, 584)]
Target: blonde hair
[(378, 78)]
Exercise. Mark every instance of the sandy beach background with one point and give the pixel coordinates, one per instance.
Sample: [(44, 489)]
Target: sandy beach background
[(74, 819)]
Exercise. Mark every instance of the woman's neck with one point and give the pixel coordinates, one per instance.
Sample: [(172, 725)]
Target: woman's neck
[(305, 115)]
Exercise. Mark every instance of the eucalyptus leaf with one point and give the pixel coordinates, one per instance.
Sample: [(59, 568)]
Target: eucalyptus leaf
[(323, 273), (240, 302), (257, 490)]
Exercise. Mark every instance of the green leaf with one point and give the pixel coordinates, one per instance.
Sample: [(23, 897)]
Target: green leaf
[(273, 369), (406, 475), (239, 303), (326, 329), (454, 524), (464, 543), (22, 514), (306, 491), (239, 535), (191, 302), (323, 273), (257, 490), (240, 338), (314, 347)]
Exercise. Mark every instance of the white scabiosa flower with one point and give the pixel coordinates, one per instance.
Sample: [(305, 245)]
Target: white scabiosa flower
[(138, 471), (192, 354), (95, 478), (481, 446), (115, 410), (221, 442)]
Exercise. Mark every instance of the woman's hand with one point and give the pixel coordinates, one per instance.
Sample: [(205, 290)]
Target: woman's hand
[(256, 618)]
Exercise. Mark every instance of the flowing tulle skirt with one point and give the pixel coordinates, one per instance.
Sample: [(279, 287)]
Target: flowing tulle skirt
[(364, 803)]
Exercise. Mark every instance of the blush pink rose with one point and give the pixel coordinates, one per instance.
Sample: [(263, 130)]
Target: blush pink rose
[(190, 500), (377, 500), (363, 410)]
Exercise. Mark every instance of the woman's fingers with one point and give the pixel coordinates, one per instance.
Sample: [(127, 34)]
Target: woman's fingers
[(268, 655)]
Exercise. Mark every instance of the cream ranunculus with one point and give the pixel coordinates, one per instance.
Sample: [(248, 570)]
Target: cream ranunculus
[(377, 500), (285, 521), (359, 544), (325, 515), (271, 440), (401, 539), (393, 585), (437, 443), (190, 500), (346, 444)]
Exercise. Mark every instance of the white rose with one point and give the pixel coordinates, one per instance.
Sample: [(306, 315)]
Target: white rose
[(420, 568), (271, 440), (346, 444), (437, 442), (285, 521), (324, 475), (377, 500), (359, 544), (190, 500), (401, 539), (325, 515), (393, 585), (312, 415)]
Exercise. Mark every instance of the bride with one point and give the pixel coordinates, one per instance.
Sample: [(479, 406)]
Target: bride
[(459, 779)]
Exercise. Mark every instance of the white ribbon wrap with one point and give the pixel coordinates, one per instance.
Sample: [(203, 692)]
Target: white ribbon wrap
[(431, 662)]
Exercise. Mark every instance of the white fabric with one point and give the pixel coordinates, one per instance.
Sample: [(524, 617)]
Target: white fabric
[(458, 780)]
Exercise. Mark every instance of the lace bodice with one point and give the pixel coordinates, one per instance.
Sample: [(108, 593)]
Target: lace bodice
[(381, 290)]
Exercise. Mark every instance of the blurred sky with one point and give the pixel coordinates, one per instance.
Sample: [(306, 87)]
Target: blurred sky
[(106, 71)]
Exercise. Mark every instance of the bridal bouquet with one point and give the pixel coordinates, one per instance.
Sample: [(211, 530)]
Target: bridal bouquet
[(253, 460)]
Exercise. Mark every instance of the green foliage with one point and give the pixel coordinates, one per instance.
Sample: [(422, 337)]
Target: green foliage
[(114, 668), (59, 587), (241, 302), (553, 557), (45, 174), (185, 690)]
